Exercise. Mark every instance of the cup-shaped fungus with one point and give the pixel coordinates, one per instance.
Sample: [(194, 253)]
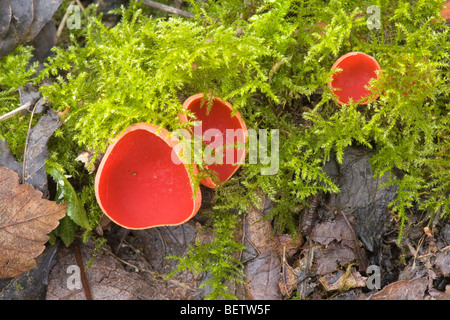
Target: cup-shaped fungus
[(358, 69), (139, 186), (223, 133)]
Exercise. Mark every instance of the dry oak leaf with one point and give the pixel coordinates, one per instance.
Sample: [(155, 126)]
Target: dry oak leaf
[(403, 290), (25, 221)]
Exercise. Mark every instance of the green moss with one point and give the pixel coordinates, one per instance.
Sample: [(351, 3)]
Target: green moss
[(15, 72), (217, 258)]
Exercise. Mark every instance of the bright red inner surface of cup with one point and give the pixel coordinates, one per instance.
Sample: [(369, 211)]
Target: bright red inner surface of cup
[(140, 186), (357, 70), (231, 131)]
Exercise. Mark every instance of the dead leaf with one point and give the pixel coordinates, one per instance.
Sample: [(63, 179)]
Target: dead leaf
[(29, 94), (340, 245), (44, 41), (306, 278), (33, 283), (37, 153), (327, 231), (361, 196), (309, 216), (21, 21), (403, 290), (164, 241), (104, 224), (437, 295), (343, 281), (442, 263), (289, 280), (109, 280), (262, 272), (7, 159), (25, 221), (288, 245), (85, 157), (428, 231), (334, 255)]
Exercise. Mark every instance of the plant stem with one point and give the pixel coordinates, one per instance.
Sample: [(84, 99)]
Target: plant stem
[(80, 263), (16, 111)]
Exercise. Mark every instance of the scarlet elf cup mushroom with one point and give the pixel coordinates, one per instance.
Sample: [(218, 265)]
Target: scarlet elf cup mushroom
[(137, 184), (358, 69), (221, 130), (446, 12)]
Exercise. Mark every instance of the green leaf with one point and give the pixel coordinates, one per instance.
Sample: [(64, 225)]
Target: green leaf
[(66, 231), (65, 192)]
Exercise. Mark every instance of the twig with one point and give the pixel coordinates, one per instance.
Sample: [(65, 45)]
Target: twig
[(125, 262), (66, 16), (63, 22), (80, 5), (154, 275), (415, 252), (169, 9), (80, 263), (243, 238), (15, 111), (121, 241), (283, 261)]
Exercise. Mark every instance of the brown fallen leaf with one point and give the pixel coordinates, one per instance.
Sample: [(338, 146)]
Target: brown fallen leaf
[(332, 256), (21, 21), (85, 157), (289, 280), (340, 243), (309, 216), (442, 263), (403, 290), (36, 152), (343, 280), (428, 232), (109, 280), (328, 231), (25, 221), (164, 241), (437, 295), (289, 246), (263, 272)]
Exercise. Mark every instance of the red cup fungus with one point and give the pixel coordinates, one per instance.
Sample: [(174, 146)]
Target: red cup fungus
[(137, 184), (224, 128), (446, 12), (358, 69)]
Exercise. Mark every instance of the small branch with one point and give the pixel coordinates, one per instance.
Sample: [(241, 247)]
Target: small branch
[(80, 5), (80, 263), (169, 9), (66, 16), (16, 111), (63, 22)]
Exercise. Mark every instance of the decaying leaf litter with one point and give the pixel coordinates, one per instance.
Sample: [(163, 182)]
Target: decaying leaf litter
[(342, 233)]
